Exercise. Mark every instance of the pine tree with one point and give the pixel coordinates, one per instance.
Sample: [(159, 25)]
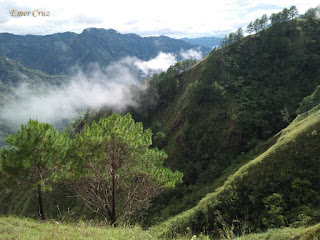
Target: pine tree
[(250, 28), (31, 162), (116, 173), (293, 12)]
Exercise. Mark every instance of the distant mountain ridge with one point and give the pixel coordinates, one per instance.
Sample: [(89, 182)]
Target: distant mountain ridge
[(209, 42), (58, 53)]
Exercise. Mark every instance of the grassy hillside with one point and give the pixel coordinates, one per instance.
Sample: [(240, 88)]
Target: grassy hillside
[(26, 228), (311, 233), (279, 187), (57, 53)]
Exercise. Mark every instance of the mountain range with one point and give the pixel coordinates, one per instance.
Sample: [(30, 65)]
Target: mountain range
[(58, 53), (209, 42)]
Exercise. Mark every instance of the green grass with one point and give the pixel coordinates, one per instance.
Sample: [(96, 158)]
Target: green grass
[(26, 228), (31, 229), (286, 233)]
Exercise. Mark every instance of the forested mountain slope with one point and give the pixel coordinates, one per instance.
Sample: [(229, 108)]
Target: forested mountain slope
[(12, 73), (237, 97), (280, 187)]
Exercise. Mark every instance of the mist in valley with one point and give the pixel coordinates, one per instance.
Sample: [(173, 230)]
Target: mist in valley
[(96, 88)]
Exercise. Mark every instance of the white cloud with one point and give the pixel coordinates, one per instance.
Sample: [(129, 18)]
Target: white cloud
[(96, 88), (159, 64), (191, 54)]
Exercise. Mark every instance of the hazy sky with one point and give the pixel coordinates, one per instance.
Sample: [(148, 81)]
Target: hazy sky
[(174, 18)]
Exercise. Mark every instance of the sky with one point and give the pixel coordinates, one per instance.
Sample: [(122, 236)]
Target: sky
[(173, 18)]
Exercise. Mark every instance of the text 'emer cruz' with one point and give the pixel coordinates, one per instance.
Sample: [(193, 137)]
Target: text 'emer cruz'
[(34, 13)]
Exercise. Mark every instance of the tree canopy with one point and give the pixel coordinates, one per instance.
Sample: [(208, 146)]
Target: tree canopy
[(31, 160), (116, 172)]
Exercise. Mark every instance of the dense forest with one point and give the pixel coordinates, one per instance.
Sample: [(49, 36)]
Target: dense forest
[(222, 147)]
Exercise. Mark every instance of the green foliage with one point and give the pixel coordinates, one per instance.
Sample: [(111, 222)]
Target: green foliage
[(116, 170), (253, 193), (310, 101), (301, 192), (293, 12), (232, 38), (275, 206), (285, 15), (184, 65), (258, 24), (33, 154), (286, 233), (91, 142), (13, 73), (233, 231), (311, 13), (235, 99), (34, 158), (160, 139), (161, 90)]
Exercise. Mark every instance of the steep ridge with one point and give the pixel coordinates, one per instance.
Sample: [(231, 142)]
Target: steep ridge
[(279, 187), (236, 98)]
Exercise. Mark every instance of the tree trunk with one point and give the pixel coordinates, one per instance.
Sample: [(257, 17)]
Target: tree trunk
[(113, 169), (41, 211), (113, 211)]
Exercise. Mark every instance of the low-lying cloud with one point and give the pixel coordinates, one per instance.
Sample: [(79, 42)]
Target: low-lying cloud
[(164, 60), (95, 89), (54, 104), (159, 64), (191, 54)]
